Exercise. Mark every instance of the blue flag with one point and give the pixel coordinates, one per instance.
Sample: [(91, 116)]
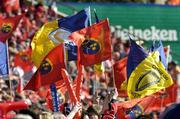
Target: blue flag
[(159, 47), (75, 22), (3, 60), (136, 55)]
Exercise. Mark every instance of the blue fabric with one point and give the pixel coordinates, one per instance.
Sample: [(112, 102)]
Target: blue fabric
[(159, 47), (54, 97), (135, 112), (135, 56), (72, 51), (75, 22), (3, 60)]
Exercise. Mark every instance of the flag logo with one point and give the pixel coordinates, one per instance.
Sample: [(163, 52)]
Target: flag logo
[(46, 67), (148, 79), (90, 46), (6, 27), (60, 35)]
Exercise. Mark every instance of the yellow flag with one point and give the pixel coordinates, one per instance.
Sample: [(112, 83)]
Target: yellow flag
[(41, 43), (148, 77)]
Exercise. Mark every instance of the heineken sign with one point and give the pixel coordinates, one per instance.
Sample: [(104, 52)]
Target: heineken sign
[(151, 33), (146, 22)]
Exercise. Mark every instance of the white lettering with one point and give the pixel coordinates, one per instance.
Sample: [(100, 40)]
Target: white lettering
[(151, 33)]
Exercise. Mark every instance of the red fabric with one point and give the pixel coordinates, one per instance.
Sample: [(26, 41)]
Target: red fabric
[(170, 95), (121, 108), (23, 60), (79, 80), (7, 26), (120, 75), (49, 70), (99, 33)]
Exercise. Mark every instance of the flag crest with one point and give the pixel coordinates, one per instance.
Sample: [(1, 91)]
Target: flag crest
[(7, 26)]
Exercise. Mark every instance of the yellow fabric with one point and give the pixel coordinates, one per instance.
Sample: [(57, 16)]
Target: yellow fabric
[(148, 77), (41, 43), (99, 68)]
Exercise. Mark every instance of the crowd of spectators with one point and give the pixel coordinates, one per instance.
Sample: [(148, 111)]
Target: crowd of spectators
[(98, 89)]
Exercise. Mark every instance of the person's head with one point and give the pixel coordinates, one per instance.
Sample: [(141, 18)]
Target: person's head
[(92, 113), (172, 112)]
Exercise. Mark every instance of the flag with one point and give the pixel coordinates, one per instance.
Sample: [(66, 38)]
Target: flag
[(23, 60), (49, 70), (4, 60), (133, 108), (146, 73), (7, 26), (141, 107), (94, 43), (159, 47), (120, 75), (55, 32)]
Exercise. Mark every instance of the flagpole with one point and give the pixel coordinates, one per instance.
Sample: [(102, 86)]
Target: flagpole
[(8, 63)]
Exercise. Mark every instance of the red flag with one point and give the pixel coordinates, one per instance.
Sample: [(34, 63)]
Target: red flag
[(94, 43), (23, 60), (49, 70), (120, 75), (137, 106), (7, 26)]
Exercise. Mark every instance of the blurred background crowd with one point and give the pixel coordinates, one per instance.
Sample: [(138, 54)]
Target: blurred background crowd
[(98, 89)]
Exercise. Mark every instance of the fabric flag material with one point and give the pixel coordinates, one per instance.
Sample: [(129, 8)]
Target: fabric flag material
[(49, 70), (94, 43), (55, 32), (133, 108), (159, 47), (23, 60), (4, 60), (146, 73), (120, 75), (7, 26)]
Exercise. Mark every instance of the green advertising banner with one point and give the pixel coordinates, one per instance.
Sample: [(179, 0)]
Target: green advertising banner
[(146, 22)]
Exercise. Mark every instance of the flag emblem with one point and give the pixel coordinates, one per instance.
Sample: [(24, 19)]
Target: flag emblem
[(59, 35), (90, 46), (148, 79), (6, 27), (46, 67)]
